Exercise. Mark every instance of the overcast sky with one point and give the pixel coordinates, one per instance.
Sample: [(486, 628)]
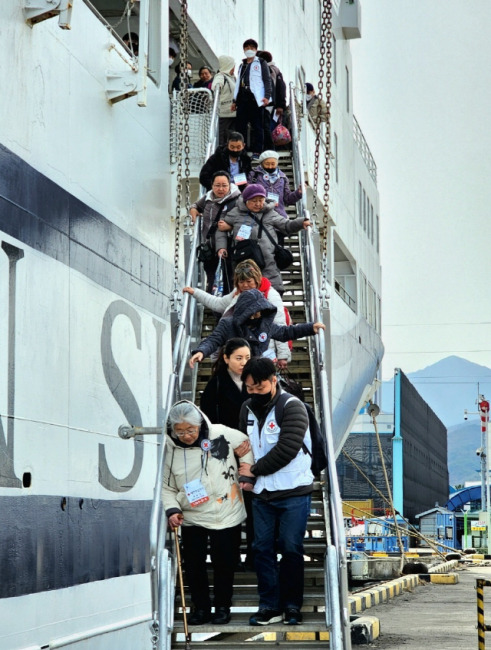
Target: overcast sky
[(422, 96)]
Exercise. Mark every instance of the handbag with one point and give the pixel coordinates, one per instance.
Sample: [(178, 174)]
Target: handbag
[(282, 256), (205, 252), (248, 249), (281, 135)]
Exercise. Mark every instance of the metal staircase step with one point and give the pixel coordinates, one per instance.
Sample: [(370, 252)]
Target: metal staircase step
[(312, 622)]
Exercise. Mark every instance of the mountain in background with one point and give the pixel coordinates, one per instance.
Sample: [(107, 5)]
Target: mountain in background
[(449, 387)]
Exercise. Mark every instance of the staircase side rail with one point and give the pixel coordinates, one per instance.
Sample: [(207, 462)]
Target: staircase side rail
[(200, 111), (186, 326), (339, 600)]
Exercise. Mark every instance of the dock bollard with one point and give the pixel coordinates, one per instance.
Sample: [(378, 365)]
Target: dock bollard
[(482, 628)]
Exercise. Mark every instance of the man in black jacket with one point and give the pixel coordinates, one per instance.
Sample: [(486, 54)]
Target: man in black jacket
[(231, 158), (282, 491)]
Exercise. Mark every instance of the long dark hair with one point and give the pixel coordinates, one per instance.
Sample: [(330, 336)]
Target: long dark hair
[(229, 348)]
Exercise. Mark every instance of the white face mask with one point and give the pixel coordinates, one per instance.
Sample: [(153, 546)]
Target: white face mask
[(171, 61), (189, 73), (249, 53)]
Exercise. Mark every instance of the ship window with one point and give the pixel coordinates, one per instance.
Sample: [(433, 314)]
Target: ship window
[(334, 60), (360, 204), (344, 276), (378, 233), (371, 223), (336, 166), (347, 90), (368, 218), (364, 210)]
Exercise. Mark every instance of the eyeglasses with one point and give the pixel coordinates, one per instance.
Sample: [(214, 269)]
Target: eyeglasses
[(187, 432)]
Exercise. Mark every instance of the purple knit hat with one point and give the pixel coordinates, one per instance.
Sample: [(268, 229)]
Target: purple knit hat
[(253, 190)]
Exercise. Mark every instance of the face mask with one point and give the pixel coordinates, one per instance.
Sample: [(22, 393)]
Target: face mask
[(189, 72), (249, 53), (171, 61), (252, 322), (233, 154), (261, 400)]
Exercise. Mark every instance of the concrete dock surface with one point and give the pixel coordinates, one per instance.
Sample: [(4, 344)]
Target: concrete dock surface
[(442, 616)]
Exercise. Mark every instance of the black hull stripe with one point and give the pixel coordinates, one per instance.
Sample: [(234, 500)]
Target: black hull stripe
[(41, 214), (47, 542)]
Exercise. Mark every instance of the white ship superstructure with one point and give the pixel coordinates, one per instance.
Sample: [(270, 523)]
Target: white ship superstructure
[(87, 198)]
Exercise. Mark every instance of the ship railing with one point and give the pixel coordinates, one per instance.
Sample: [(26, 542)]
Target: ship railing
[(186, 326), (200, 117), (335, 567), (364, 150)]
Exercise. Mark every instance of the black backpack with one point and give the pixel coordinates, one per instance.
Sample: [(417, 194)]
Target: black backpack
[(318, 455)]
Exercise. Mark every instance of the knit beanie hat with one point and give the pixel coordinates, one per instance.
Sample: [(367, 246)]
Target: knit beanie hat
[(268, 154), (225, 63), (253, 190)]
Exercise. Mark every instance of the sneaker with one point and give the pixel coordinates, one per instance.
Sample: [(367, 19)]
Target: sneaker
[(265, 617), (293, 616), (221, 616), (199, 617)]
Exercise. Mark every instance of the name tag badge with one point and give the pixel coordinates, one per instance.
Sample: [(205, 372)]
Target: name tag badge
[(196, 493), (244, 232), (273, 197), (269, 354), (240, 179)]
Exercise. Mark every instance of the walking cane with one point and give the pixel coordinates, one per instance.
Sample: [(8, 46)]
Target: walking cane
[(181, 584)]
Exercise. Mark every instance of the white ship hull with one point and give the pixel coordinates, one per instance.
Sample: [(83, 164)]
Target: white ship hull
[(86, 277)]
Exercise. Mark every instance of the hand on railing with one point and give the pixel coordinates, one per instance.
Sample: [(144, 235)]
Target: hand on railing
[(307, 224), (189, 290), (319, 326), (193, 213), (196, 358)]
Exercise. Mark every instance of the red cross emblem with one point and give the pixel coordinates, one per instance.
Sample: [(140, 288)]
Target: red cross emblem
[(272, 425)]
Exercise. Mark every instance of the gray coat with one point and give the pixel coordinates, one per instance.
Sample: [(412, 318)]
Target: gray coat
[(272, 222)]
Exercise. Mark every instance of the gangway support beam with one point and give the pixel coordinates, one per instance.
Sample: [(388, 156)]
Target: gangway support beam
[(35, 11)]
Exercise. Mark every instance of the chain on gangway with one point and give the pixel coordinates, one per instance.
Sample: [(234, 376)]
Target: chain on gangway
[(325, 70)]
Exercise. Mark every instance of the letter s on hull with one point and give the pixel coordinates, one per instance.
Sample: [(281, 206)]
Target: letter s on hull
[(123, 396)]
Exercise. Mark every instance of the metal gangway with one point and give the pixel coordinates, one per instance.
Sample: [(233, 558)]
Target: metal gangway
[(327, 621)]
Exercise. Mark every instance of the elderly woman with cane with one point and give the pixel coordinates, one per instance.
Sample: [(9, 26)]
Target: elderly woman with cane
[(202, 495)]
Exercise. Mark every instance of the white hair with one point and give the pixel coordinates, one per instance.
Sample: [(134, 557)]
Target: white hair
[(185, 412)]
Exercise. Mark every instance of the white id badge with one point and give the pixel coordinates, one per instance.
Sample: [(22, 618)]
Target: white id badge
[(269, 354), (240, 179), (196, 493), (244, 232), (272, 196)]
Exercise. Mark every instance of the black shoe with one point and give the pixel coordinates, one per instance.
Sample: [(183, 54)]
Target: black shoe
[(293, 616), (221, 615), (199, 617), (265, 617)]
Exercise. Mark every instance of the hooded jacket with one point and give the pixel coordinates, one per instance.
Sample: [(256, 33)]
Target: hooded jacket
[(257, 333), (226, 304), (272, 222), (220, 161), (217, 469), (281, 187), (226, 82)]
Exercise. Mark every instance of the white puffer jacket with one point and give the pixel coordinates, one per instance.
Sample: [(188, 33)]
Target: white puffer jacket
[(217, 469)]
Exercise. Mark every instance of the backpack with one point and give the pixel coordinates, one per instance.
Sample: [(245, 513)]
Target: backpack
[(318, 455)]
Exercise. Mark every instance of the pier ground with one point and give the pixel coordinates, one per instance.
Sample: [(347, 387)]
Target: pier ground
[(440, 616)]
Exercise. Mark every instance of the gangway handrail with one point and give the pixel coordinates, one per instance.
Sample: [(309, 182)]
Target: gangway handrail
[(161, 599), (337, 589)]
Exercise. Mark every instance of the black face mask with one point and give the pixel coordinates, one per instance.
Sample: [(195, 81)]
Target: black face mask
[(233, 154), (252, 322), (261, 400)]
